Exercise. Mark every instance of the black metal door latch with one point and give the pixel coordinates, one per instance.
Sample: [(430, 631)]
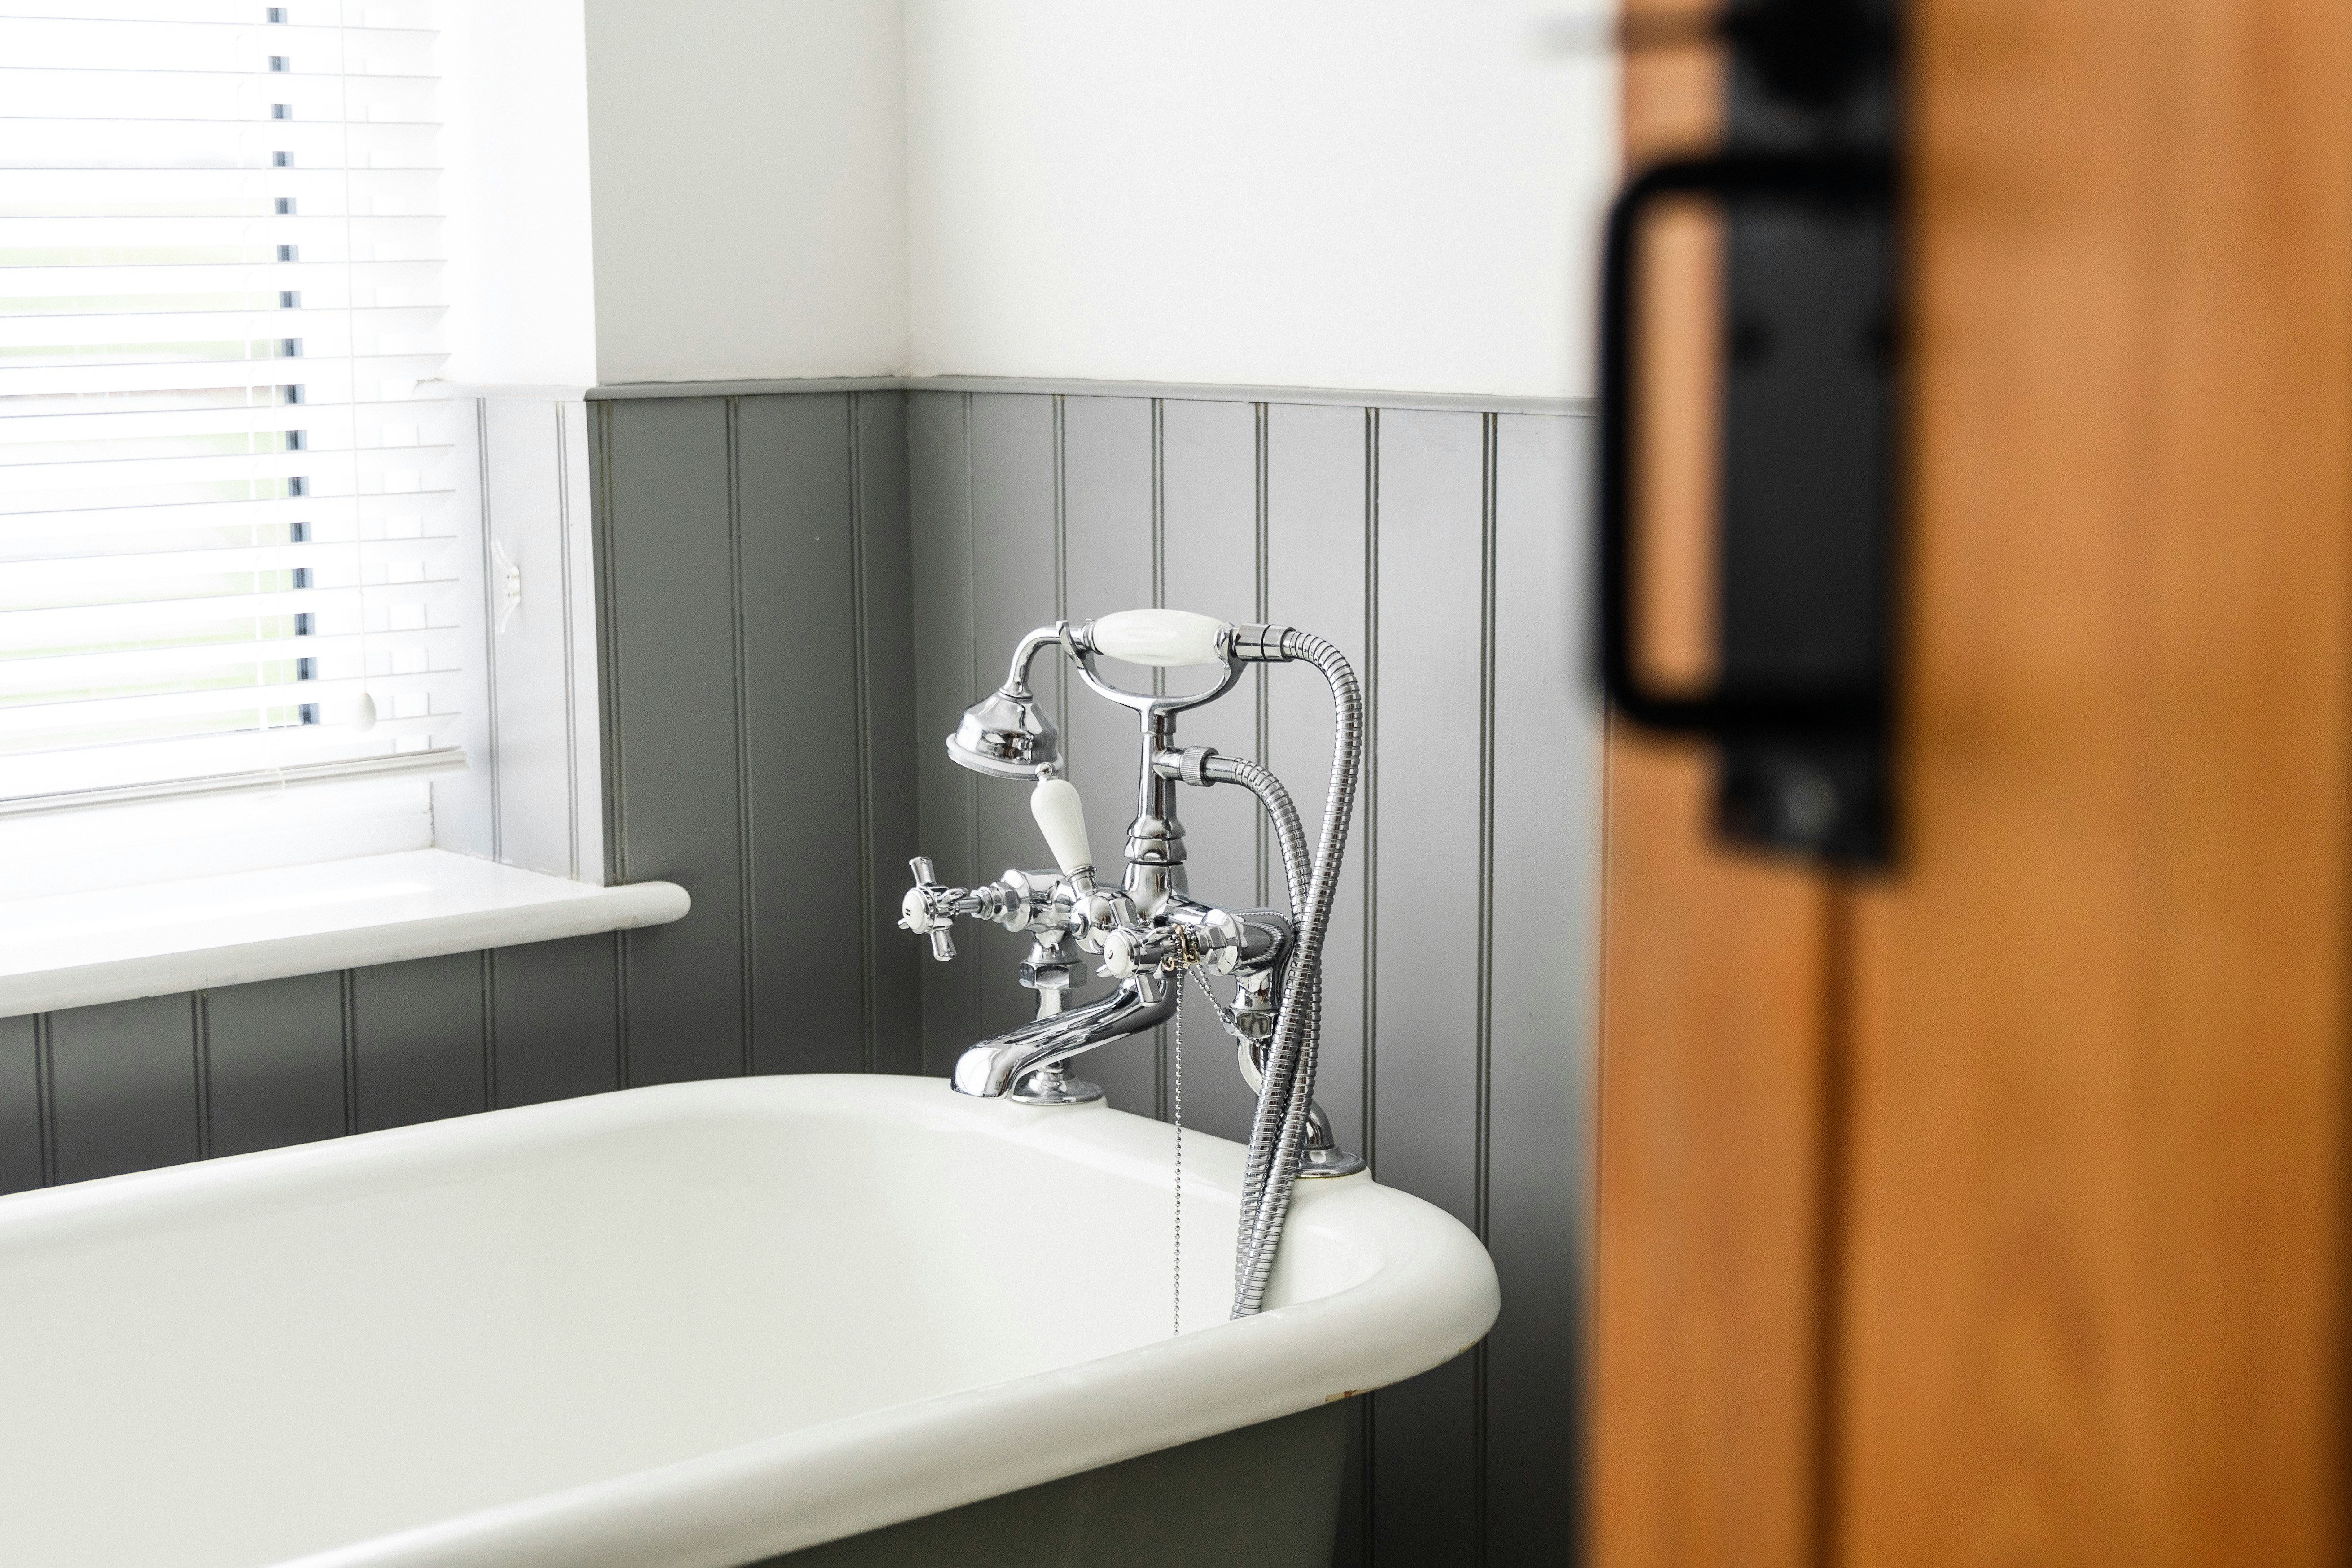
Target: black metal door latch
[(1803, 705)]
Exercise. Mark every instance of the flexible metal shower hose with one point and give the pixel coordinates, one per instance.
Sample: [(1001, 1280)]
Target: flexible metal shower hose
[(1278, 1131), (1296, 870), (1289, 836)]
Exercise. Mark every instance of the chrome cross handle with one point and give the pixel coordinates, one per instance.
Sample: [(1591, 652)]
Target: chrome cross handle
[(930, 906), (1037, 901)]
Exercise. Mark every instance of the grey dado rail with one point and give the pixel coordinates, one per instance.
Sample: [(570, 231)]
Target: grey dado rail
[(799, 591)]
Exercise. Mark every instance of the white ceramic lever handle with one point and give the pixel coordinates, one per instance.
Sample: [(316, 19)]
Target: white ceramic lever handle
[(1169, 638), (1055, 804)]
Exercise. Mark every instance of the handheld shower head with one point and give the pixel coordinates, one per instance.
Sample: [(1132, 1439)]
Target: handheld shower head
[(1006, 734)]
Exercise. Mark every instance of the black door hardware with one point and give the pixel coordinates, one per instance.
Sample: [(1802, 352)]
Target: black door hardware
[(1801, 708)]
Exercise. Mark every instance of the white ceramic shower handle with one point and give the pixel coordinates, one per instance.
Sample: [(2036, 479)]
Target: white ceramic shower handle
[(1055, 804), (1169, 638)]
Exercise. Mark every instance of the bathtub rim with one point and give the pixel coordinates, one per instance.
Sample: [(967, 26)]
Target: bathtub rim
[(1430, 1296)]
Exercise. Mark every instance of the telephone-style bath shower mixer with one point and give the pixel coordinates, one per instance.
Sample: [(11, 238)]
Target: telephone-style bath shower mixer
[(1149, 931)]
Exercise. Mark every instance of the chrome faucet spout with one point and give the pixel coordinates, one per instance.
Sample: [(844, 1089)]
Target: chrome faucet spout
[(1144, 1001)]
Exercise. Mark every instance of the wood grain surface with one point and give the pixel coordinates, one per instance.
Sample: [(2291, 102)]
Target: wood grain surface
[(1993, 1213), (2096, 1288), (1706, 1414)]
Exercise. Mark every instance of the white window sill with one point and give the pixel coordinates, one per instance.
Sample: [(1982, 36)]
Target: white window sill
[(70, 950)]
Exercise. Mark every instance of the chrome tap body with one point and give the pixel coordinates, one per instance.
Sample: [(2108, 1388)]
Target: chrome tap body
[(1151, 931)]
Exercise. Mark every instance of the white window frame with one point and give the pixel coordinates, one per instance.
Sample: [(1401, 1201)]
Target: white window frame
[(517, 851)]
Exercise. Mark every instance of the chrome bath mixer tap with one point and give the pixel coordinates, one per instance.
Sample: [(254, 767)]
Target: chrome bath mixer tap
[(1149, 931)]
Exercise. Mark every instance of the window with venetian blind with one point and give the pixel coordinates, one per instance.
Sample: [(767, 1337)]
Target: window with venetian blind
[(226, 539)]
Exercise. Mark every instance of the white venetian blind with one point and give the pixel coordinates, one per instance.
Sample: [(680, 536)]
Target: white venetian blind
[(225, 534)]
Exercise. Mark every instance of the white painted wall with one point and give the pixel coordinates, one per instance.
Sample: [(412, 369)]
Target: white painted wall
[(514, 112), (747, 164), (1384, 193), (1399, 195)]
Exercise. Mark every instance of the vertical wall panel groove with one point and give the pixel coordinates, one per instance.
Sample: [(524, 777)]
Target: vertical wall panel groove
[(45, 1065), (746, 849), (1367, 1438), (487, 980), (24, 1141), (1483, 1110), (1482, 1161), (347, 1025), (861, 683), (1062, 544), (973, 687), (1369, 791), (610, 709), (620, 1010), (1159, 443), (612, 706), (200, 1033), (1262, 676)]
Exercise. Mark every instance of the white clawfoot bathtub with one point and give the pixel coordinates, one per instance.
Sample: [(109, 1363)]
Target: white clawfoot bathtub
[(682, 1327)]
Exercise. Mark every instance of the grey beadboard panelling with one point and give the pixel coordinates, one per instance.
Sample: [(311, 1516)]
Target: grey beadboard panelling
[(1423, 542), (1317, 528), (274, 1063), (124, 1087), (1318, 525), (1545, 817), (555, 1020), (1425, 839), (939, 484), (1109, 563), (22, 1153), (801, 723), (743, 617), (1209, 561), (893, 960), (420, 1041), (1425, 855), (671, 613), (1012, 522)]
